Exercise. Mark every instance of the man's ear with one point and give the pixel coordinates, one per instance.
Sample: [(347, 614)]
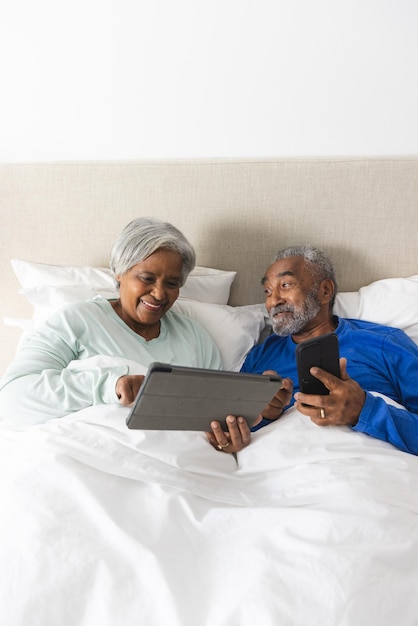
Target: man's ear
[(326, 290)]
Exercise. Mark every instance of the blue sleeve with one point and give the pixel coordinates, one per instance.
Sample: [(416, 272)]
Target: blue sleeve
[(398, 426), (389, 423)]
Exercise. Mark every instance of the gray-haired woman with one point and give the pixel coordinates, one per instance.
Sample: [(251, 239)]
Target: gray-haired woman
[(151, 260)]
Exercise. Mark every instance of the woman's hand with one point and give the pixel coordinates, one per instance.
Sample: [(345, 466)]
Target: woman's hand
[(127, 388)]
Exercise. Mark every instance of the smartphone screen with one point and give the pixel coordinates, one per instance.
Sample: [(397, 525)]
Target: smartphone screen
[(322, 352)]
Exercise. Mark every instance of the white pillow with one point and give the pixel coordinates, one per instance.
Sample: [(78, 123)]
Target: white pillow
[(203, 283), (45, 300), (390, 301), (235, 330), (206, 284), (347, 304)]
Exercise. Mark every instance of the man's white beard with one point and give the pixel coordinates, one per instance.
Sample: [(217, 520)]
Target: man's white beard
[(298, 316)]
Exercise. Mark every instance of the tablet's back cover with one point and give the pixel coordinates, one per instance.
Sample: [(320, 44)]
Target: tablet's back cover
[(182, 398)]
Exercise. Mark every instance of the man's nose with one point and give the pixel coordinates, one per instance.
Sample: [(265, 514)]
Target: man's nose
[(276, 297)]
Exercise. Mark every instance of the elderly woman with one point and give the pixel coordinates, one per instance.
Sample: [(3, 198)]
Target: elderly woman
[(151, 261)]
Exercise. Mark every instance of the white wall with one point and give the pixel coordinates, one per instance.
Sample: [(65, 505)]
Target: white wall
[(111, 79)]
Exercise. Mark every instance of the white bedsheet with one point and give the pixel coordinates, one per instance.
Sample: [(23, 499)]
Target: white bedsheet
[(103, 525)]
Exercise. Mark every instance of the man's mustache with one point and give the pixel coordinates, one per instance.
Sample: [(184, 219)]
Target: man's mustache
[(284, 308)]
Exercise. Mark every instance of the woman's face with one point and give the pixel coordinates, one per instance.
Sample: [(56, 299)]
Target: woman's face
[(148, 290)]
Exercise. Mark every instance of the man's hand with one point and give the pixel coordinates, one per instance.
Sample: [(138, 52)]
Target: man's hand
[(127, 388), (281, 400), (235, 439), (341, 407), (239, 434)]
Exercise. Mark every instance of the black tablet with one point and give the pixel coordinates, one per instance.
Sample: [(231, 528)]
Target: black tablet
[(186, 398)]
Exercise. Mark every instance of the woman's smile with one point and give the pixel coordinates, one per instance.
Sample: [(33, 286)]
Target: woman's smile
[(150, 306)]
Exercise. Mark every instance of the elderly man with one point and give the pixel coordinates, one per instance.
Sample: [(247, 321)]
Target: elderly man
[(300, 289)]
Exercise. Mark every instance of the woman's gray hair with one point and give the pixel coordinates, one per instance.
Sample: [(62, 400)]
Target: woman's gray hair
[(144, 236), (319, 264)]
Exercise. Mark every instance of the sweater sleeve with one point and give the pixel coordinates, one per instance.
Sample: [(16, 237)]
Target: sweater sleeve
[(39, 385)]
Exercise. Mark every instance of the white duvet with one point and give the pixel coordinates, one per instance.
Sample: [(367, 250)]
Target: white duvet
[(105, 526)]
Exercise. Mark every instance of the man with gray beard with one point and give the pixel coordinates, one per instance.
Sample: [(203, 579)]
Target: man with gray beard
[(300, 289)]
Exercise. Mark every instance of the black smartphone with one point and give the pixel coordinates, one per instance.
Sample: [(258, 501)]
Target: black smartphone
[(323, 352)]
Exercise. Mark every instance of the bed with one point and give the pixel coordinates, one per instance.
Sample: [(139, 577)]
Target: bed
[(308, 525)]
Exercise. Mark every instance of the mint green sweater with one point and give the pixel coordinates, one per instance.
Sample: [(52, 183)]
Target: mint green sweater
[(39, 385)]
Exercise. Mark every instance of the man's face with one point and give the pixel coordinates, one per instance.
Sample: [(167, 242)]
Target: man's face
[(292, 298)]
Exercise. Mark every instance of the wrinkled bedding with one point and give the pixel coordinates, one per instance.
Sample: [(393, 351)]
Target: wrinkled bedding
[(103, 525)]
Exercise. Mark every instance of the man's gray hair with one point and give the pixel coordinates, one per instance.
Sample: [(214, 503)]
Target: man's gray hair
[(319, 264), (144, 236)]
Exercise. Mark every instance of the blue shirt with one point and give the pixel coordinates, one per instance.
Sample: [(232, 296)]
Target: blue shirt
[(380, 359)]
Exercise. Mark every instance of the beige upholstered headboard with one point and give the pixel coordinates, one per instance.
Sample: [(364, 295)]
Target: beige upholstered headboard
[(237, 213)]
